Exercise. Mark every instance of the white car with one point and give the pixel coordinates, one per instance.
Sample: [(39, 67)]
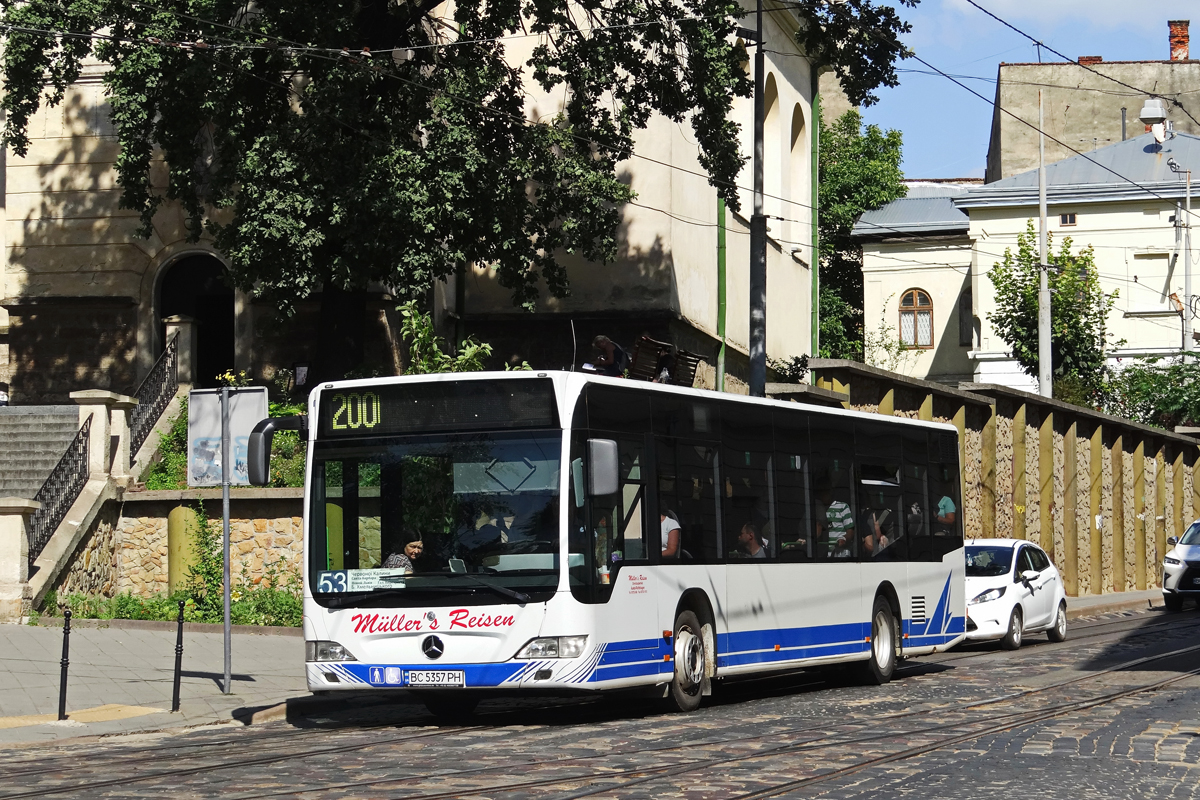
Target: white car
[(1012, 590), (1181, 569)]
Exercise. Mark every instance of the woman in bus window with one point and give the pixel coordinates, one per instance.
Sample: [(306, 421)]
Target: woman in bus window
[(404, 561), (670, 535)]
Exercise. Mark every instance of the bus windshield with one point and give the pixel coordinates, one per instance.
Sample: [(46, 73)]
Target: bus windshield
[(428, 514)]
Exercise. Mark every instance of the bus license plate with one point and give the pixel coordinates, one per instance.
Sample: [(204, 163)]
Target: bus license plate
[(436, 677)]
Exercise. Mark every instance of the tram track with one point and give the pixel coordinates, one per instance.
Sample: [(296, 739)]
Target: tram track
[(288, 740)]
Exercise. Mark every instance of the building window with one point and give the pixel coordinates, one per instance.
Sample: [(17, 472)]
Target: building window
[(1066, 219), (916, 319)]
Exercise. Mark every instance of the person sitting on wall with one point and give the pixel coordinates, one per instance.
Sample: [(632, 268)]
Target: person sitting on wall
[(612, 360)]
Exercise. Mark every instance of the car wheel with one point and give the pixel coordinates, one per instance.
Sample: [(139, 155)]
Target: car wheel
[(1016, 627), (879, 667), (691, 664), (449, 706), (1059, 632), (1173, 602)]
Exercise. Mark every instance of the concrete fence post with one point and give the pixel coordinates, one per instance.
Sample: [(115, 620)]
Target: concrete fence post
[(14, 556), (185, 347), (97, 403)]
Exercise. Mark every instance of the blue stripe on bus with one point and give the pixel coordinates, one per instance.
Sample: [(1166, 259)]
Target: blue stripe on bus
[(635, 644), (629, 656), (792, 638), (630, 671)]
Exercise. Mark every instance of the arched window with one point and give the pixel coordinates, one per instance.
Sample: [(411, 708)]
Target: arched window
[(916, 319)]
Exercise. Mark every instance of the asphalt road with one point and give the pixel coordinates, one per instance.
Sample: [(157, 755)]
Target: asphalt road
[(1114, 712)]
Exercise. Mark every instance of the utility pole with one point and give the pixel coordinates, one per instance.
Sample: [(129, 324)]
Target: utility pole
[(758, 232), (1187, 270), (1045, 367)]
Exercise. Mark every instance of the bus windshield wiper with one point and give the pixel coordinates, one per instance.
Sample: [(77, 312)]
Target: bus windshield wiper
[(384, 591), (520, 597)]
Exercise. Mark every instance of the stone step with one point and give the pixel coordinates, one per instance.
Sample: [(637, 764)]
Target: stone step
[(32, 441)]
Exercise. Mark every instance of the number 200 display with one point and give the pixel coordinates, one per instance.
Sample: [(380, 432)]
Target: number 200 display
[(354, 410)]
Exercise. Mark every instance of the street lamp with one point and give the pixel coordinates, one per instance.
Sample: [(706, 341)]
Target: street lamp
[(1187, 252), (1154, 114)]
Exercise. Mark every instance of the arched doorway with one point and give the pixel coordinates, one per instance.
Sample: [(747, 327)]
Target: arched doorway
[(194, 286)]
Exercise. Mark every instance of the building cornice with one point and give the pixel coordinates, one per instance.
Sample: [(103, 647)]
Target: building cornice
[(985, 197)]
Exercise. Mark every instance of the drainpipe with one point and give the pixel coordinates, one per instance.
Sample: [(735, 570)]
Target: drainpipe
[(815, 181), (721, 293)]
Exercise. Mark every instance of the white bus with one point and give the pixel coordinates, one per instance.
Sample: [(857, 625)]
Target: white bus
[(562, 532)]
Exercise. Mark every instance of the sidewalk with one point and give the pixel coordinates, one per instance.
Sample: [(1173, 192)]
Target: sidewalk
[(1094, 604), (120, 679)]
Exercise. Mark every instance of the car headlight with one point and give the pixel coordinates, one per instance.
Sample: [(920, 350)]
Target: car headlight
[(553, 647), (327, 651), (1172, 561), (988, 596)]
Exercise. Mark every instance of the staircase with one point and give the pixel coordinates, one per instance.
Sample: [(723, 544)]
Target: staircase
[(32, 440)]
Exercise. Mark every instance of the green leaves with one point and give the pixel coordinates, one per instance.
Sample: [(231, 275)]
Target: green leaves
[(859, 171), (427, 352), (1078, 317)]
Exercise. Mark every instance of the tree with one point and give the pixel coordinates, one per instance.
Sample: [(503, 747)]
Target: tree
[(381, 142), (1161, 393), (859, 170), (1078, 317)]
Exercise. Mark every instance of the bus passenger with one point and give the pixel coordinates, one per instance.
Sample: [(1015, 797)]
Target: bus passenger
[(750, 543), (877, 531), (670, 535), (412, 551), (835, 523)]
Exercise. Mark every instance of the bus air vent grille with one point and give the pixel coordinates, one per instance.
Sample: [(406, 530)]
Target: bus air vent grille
[(918, 609)]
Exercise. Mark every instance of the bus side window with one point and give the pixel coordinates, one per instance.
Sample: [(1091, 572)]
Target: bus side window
[(833, 497), (880, 512), (918, 513), (747, 490), (944, 483), (687, 475), (793, 486)]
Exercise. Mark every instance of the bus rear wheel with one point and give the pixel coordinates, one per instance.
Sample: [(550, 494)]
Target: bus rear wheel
[(691, 664), (879, 667)]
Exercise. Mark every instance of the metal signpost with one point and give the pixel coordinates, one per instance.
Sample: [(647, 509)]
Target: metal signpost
[(219, 426)]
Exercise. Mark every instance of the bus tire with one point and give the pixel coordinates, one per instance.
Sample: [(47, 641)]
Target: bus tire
[(449, 706), (879, 667), (691, 664)]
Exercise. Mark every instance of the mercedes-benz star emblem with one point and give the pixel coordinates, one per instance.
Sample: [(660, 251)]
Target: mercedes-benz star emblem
[(432, 647)]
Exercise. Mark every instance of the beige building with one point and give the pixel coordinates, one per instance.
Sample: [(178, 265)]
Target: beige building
[(1085, 107), (83, 298), (1119, 200)]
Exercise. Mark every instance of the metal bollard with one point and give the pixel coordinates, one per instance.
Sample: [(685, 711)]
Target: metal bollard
[(66, 662), (178, 660)]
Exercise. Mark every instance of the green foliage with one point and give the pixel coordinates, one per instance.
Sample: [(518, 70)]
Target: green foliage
[(1163, 393), (170, 471), (427, 351), (882, 346), (790, 370), (275, 600), (859, 170), (841, 326), (1078, 318), (328, 166), (858, 39)]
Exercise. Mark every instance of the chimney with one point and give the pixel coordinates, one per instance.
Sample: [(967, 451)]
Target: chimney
[(1178, 37), (1090, 59)]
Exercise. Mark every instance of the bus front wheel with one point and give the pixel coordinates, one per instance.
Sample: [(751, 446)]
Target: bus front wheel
[(691, 664), (882, 663)]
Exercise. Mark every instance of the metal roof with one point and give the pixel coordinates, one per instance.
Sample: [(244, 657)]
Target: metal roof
[(1135, 169), (910, 216)]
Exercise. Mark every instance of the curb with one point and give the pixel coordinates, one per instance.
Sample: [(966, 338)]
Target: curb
[(159, 625), (1140, 604), (295, 708)]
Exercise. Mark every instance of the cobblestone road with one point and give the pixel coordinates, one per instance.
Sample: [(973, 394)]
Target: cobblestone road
[(1055, 721)]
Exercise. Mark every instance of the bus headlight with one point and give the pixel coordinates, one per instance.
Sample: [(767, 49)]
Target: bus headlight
[(327, 651), (553, 647), (988, 596)]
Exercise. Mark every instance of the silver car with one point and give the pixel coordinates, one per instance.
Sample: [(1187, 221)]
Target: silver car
[(1181, 568)]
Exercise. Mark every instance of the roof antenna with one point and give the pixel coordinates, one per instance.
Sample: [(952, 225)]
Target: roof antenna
[(574, 346)]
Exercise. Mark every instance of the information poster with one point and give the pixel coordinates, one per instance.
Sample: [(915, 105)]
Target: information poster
[(247, 407)]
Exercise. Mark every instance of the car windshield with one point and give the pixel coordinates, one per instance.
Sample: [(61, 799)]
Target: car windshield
[(989, 560), (454, 513), (1192, 535)]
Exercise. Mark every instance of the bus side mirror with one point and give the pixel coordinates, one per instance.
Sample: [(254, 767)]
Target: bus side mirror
[(258, 456), (602, 467)]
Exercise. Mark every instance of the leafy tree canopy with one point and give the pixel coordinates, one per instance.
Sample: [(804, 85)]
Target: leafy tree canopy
[(1078, 312), (859, 170), (1162, 393)]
